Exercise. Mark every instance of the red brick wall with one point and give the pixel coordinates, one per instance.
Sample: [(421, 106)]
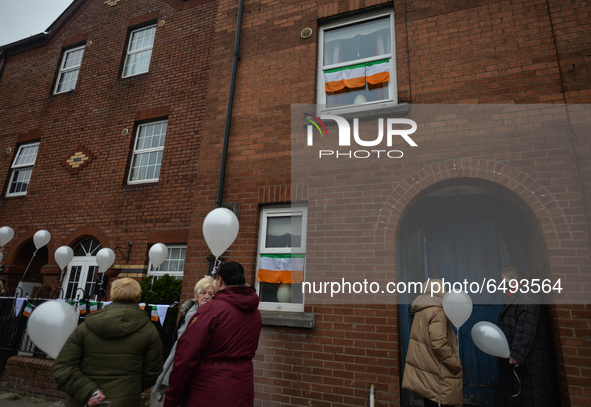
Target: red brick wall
[(452, 52), (484, 51), (31, 377), (93, 116)]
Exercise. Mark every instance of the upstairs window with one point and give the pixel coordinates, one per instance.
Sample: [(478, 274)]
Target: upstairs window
[(356, 63), (69, 69), (22, 168), (139, 51), (147, 153)]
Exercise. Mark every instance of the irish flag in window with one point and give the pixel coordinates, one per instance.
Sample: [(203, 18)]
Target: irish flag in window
[(355, 76), (281, 268)]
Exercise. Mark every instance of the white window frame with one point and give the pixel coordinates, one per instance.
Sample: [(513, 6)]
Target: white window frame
[(278, 211), (137, 152), (63, 70), (392, 85), (19, 168), (133, 52), (178, 274)]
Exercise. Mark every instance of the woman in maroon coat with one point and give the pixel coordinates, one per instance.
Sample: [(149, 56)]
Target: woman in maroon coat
[(213, 359)]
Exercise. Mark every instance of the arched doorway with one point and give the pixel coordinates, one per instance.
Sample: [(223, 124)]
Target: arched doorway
[(24, 275), (82, 273), (463, 232)]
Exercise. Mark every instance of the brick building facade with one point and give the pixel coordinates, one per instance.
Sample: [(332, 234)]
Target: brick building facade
[(451, 59)]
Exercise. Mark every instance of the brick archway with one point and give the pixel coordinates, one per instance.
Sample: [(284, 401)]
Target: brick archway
[(87, 231), (538, 203), (557, 231)]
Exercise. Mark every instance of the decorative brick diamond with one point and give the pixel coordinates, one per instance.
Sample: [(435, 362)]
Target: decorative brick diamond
[(78, 160), (111, 3)]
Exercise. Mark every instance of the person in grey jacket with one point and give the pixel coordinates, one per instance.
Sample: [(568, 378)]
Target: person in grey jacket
[(114, 355), (204, 291)]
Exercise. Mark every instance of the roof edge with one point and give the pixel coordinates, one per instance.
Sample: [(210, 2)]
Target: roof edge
[(40, 40)]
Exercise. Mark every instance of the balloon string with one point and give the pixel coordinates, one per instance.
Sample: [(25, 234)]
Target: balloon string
[(215, 266), (518, 381), (29, 265), (458, 340), (62, 276)]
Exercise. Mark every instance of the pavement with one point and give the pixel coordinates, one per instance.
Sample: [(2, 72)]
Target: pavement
[(8, 399)]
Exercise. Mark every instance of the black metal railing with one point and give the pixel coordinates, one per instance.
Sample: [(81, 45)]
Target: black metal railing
[(14, 339)]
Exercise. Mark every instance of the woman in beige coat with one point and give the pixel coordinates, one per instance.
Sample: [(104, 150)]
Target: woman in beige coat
[(433, 369)]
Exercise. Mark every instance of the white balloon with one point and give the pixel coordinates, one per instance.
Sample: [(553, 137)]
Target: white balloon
[(63, 256), (284, 292), (50, 326), (220, 229), (490, 339), (105, 258), (457, 307), (6, 235), (41, 238), (158, 253)]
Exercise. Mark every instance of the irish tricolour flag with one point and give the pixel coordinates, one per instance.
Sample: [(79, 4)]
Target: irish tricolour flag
[(281, 268), (355, 76)]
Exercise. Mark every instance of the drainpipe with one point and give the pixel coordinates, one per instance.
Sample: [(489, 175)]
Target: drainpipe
[(230, 104)]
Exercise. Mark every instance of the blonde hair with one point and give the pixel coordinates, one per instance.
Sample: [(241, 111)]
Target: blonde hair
[(126, 290), (203, 285)]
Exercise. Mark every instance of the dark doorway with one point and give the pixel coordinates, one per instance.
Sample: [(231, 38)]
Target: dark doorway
[(462, 233)]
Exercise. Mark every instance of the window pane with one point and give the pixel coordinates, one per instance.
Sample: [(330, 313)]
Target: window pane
[(87, 247), (146, 166), (73, 58), (73, 281), (20, 181), (174, 264), (67, 81), (91, 280), (26, 155), (357, 41), (268, 292), (284, 231), (142, 38), (151, 136)]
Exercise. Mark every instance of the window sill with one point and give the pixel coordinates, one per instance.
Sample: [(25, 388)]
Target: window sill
[(370, 111), (289, 319)]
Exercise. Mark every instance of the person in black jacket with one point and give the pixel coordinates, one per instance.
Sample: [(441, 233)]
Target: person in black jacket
[(528, 377)]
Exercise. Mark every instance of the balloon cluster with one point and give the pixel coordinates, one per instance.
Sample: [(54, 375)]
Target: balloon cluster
[(486, 336)]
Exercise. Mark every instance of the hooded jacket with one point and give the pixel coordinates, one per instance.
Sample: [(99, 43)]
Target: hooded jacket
[(117, 350), (433, 369), (213, 359)]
